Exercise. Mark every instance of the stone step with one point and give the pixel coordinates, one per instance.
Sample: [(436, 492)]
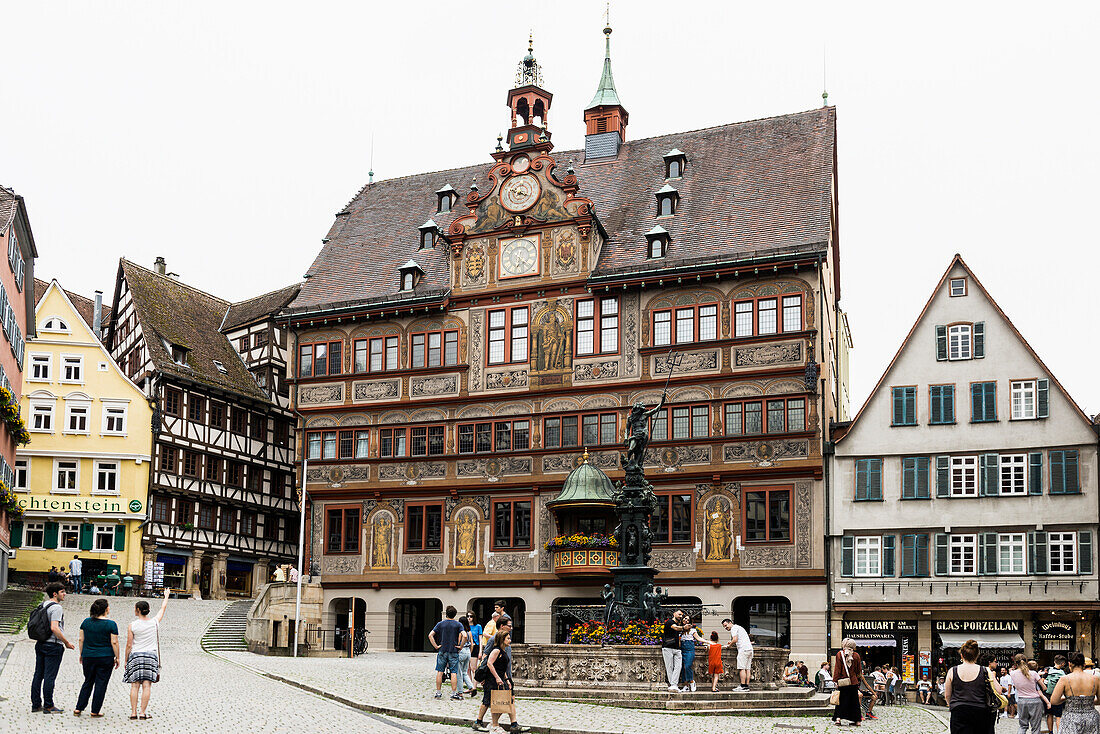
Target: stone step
[(702, 694), (801, 711), (693, 704), (15, 605)]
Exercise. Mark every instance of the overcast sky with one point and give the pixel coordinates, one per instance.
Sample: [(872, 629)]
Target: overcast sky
[(225, 136)]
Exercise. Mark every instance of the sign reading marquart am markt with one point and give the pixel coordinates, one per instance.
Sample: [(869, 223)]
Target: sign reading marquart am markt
[(79, 504)]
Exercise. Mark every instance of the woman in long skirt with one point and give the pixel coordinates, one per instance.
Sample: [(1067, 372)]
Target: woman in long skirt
[(847, 672)]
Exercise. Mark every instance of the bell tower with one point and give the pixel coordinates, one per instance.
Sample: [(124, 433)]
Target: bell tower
[(605, 117), (530, 105)]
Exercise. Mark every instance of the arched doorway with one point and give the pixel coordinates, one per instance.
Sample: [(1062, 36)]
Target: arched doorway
[(341, 620), (767, 618), (413, 619), (514, 607)]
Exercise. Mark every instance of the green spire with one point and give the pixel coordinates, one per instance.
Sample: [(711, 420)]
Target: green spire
[(606, 96)]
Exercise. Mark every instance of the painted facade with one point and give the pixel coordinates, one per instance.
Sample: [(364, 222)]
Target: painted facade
[(83, 481), (964, 495), (16, 305), (453, 367)]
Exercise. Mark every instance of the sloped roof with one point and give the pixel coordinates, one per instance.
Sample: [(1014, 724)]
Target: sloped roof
[(190, 318), (9, 204), (762, 186), (84, 306), (260, 307)]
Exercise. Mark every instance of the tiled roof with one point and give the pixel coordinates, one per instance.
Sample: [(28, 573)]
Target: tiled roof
[(749, 187), (9, 204), (85, 306), (187, 317), (260, 307)]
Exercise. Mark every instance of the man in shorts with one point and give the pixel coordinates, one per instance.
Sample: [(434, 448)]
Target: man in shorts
[(739, 639), (447, 637)]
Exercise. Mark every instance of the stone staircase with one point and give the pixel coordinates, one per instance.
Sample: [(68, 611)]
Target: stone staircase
[(15, 606), (226, 633), (782, 702)]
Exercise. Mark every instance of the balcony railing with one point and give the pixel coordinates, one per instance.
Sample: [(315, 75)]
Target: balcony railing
[(586, 562)]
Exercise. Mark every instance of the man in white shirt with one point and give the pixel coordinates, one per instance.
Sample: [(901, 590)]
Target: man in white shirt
[(739, 639), (75, 569)]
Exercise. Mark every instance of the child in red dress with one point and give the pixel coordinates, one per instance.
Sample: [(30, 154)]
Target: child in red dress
[(714, 661)]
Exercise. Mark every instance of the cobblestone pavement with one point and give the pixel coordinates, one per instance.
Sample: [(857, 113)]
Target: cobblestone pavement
[(405, 682), (197, 692)]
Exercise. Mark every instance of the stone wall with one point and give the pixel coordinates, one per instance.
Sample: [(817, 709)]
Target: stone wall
[(629, 666)]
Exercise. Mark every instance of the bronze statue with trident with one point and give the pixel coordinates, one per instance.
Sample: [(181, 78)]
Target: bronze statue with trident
[(639, 421)]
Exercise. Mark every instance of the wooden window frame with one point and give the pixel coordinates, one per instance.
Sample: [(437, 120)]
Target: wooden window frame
[(493, 433), (768, 490), (666, 414), (247, 527), (216, 415), (530, 500), (187, 453), (996, 415), (669, 493), (580, 429), (368, 344), (312, 347), (916, 406), (510, 338), (167, 455), (970, 340), (779, 325), (599, 326), (443, 334), (212, 471), (343, 549), (951, 287), (207, 516), (234, 474), (954, 405), (393, 431), (855, 479), (173, 395), (196, 408), (763, 400), (695, 321), (162, 509), (409, 506)]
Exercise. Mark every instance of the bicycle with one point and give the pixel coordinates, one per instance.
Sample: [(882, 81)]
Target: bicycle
[(360, 642)]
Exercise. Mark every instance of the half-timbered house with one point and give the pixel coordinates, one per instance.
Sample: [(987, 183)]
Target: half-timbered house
[(221, 507), (457, 355)]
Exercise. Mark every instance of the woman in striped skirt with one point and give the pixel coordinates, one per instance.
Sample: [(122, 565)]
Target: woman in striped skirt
[(143, 654)]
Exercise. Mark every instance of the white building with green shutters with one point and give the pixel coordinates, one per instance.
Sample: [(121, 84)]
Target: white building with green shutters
[(963, 497)]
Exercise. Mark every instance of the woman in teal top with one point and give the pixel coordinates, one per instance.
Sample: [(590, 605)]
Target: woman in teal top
[(98, 656)]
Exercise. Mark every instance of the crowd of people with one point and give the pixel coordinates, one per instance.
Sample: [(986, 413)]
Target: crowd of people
[(98, 652), (73, 579), (468, 653), (679, 636)]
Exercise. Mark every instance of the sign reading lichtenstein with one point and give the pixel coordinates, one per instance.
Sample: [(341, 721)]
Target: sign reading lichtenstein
[(85, 505)]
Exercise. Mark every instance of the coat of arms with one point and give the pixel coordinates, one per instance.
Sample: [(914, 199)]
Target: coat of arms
[(567, 249), (475, 263)]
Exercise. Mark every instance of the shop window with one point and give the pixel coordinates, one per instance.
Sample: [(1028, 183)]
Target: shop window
[(423, 527)]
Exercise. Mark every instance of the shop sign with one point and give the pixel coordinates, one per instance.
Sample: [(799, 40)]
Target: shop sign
[(877, 629), (84, 505), (1056, 630), (978, 625)]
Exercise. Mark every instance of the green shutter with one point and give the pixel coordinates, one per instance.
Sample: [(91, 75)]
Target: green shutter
[(899, 406), (990, 389), (1035, 473), (911, 406), (49, 538), (1072, 479), (847, 556), (922, 554), (990, 558), (941, 554), (874, 476), (943, 476), (922, 478), (17, 534), (861, 479), (1084, 552), (935, 404), (87, 530), (979, 340), (977, 402), (948, 397), (120, 537), (992, 480), (941, 343), (888, 555), (908, 480), (1042, 399), (1057, 472), (1036, 552), (908, 555)]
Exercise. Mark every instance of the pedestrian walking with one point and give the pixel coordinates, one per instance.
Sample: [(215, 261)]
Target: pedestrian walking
[(1077, 692), (475, 643), (293, 574), (446, 638), (847, 672), (464, 660), (504, 624), (966, 693), (671, 651), (487, 634), (739, 638), (76, 568), (98, 656), (714, 660), (1010, 693), (500, 678), (48, 649), (1031, 701), (1054, 674), (143, 655)]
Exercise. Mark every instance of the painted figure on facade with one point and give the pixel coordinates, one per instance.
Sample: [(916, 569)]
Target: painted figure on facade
[(551, 343), (382, 533), (466, 543), (637, 433), (718, 532)]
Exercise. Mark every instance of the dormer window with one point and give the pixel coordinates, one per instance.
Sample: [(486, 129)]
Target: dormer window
[(179, 354), (657, 240), (445, 199), (410, 275), (667, 199), (56, 325), (220, 367), (958, 287), (674, 163), (429, 230)]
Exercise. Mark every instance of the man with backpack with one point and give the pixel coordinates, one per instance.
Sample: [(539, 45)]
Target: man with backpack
[(47, 627)]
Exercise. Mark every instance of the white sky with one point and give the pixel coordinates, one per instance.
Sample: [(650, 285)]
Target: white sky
[(225, 136)]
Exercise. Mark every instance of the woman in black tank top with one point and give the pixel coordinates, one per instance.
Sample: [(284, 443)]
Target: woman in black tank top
[(966, 698)]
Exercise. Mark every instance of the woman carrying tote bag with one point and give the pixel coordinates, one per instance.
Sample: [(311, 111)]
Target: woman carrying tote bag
[(847, 672)]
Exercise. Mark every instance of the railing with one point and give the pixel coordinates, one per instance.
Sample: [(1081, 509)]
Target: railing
[(316, 637), (584, 562)]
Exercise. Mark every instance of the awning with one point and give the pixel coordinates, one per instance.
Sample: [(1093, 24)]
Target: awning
[(868, 642), (169, 560), (238, 566), (1003, 640)]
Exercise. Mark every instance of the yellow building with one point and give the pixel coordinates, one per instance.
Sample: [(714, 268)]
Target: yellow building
[(84, 478)]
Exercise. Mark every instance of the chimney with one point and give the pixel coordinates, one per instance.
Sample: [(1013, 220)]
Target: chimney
[(97, 315), (159, 265)]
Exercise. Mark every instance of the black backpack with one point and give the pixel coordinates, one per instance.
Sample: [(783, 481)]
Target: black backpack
[(38, 626)]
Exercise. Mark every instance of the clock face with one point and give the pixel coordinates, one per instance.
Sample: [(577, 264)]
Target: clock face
[(519, 256), (519, 193), (521, 163)]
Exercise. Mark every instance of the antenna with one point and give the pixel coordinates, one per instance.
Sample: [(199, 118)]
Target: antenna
[(824, 77), (370, 173), (607, 13)]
